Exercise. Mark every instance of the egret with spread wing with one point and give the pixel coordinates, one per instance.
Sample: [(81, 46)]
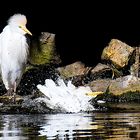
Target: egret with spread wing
[(13, 52)]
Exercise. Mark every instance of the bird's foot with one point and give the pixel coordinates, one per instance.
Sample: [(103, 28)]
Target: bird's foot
[(16, 99), (11, 97)]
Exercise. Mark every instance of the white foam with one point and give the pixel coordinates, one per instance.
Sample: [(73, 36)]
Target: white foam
[(67, 98)]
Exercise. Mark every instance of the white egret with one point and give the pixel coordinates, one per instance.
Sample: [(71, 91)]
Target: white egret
[(13, 52)]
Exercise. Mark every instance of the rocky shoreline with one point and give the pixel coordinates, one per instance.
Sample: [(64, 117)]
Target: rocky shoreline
[(116, 77)]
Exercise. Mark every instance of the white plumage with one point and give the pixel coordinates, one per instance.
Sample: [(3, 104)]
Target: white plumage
[(65, 98), (13, 51)]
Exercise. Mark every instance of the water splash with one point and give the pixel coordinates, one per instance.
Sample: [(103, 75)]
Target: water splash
[(66, 98)]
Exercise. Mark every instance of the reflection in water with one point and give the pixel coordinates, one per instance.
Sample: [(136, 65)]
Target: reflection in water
[(112, 126), (9, 128), (67, 125)]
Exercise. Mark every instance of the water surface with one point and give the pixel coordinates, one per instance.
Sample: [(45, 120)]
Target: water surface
[(86, 126)]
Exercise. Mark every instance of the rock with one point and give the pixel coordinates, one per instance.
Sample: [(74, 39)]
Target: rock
[(74, 69), (124, 85), (8, 99), (43, 51), (99, 85), (85, 74), (81, 75), (121, 90), (34, 106), (101, 71), (118, 53), (134, 68), (28, 105), (117, 86), (79, 80), (99, 68)]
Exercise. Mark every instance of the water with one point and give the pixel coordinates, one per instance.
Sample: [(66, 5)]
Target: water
[(65, 97), (79, 126)]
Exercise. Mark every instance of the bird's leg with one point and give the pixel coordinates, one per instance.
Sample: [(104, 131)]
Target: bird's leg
[(15, 86), (14, 92), (8, 95), (9, 92)]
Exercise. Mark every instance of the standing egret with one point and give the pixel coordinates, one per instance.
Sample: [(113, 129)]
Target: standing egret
[(13, 52)]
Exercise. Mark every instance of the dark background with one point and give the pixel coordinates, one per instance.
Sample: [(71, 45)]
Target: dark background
[(82, 29)]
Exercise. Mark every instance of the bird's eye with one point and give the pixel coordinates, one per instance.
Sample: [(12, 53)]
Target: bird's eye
[(19, 26)]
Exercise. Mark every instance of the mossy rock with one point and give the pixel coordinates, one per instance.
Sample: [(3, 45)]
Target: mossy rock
[(125, 97), (43, 50), (129, 101)]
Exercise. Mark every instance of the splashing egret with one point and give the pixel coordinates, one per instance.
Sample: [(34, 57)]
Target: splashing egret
[(13, 52)]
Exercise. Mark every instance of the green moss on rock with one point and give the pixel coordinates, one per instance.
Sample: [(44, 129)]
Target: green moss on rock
[(42, 56), (43, 50)]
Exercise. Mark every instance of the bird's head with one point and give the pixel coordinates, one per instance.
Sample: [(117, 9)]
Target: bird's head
[(18, 23)]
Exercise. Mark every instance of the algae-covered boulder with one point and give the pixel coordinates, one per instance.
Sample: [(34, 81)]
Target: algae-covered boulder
[(118, 53), (43, 51)]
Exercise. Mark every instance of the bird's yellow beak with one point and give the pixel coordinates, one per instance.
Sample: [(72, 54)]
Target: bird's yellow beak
[(25, 29)]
